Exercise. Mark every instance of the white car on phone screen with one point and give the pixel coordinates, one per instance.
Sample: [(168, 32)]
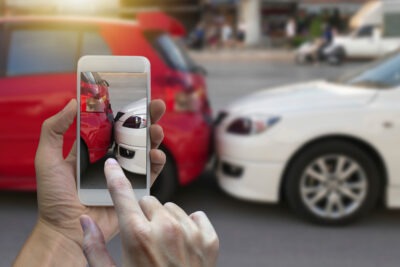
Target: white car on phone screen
[(330, 149), (130, 131)]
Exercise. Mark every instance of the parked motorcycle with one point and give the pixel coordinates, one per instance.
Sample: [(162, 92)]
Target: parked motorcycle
[(331, 54)]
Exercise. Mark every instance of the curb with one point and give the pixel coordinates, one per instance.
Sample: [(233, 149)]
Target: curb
[(234, 55)]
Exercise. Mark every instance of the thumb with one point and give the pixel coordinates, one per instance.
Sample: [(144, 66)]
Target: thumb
[(94, 246), (51, 137)]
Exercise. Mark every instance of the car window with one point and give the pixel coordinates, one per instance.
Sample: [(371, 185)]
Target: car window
[(171, 51), (365, 31), (88, 77), (94, 44), (34, 51), (91, 77), (383, 74)]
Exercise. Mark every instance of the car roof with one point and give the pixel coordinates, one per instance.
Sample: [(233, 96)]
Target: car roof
[(150, 20), (65, 18)]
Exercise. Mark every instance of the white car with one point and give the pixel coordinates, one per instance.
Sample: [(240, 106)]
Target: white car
[(331, 149), (130, 131), (367, 42)]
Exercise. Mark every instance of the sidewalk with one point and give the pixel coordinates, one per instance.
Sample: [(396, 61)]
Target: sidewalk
[(243, 54)]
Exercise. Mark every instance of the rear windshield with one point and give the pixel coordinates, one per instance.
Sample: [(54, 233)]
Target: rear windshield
[(171, 51), (91, 77)]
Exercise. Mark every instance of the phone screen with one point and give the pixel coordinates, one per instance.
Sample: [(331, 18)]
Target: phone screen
[(113, 123)]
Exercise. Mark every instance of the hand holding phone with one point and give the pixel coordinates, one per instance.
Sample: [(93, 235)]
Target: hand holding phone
[(57, 236)]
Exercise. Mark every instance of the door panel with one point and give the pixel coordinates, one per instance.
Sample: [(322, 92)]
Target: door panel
[(38, 79)]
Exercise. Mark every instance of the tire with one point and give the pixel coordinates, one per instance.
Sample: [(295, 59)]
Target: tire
[(337, 57), (84, 157), (166, 184), (317, 200)]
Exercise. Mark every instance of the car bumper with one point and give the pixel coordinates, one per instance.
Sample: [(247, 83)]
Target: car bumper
[(256, 181), (129, 136), (187, 137), (96, 131), (135, 164)]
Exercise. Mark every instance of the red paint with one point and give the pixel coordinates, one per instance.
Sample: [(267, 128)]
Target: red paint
[(26, 101), (96, 126)]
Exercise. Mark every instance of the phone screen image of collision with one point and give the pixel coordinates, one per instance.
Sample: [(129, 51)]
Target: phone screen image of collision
[(113, 121)]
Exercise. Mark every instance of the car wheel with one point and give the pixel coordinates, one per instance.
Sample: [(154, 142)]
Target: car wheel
[(334, 182), (84, 157), (166, 184), (337, 57)]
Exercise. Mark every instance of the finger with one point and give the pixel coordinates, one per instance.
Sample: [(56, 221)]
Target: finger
[(151, 207), (51, 137), (157, 109), (94, 246), (156, 135), (157, 159), (204, 224), (121, 192), (210, 239), (181, 216)]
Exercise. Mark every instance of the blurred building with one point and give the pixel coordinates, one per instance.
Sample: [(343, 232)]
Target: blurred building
[(187, 11), (265, 20)]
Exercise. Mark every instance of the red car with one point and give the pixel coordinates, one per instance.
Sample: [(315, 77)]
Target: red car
[(38, 59), (96, 118)]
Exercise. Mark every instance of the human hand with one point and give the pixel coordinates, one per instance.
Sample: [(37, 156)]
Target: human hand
[(152, 234), (59, 206)]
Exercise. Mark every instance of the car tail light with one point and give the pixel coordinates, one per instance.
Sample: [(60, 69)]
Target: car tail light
[(96, 97), (181, 96), (136, 122)]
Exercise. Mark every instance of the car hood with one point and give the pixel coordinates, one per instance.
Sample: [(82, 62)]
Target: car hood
[(137, 107), (134, 108), (315, 95)]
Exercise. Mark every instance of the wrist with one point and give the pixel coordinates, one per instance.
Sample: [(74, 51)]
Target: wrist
[(48, 247)]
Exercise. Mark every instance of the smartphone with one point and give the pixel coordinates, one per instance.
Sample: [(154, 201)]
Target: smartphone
[(113, 120)]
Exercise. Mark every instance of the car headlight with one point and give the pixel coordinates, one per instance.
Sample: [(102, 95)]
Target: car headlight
[(136, 122), (252, 124)]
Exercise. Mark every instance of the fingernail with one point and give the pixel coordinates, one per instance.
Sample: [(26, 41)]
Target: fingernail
[(111, 161), (66, 107)]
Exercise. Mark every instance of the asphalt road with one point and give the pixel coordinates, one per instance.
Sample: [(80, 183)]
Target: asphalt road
[(250, 234)]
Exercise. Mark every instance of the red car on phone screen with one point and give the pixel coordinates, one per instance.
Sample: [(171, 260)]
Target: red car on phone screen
[(96, 118), (38, 59)]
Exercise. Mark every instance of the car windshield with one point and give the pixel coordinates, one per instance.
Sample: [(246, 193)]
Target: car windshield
[(171, 51), (382, 74)]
